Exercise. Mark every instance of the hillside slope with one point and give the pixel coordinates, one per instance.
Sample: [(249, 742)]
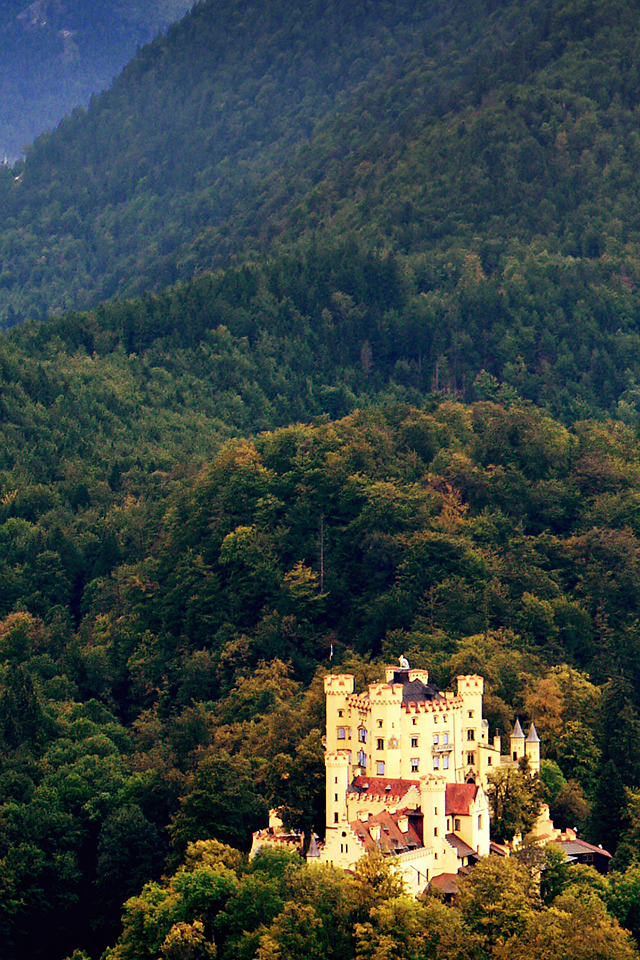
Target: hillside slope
[(490, 151), (110, 203)]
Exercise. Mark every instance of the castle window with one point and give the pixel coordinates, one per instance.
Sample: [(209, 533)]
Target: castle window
[(381, 768), (342, 733), (415, 764), (471, 758), (362, 758), (341, 713), (515, 755), (335, 818), (457, 825), (436, 738), (335, 779), (362, 735), (471, 734), (435, 831), (489, 761), (414, 741), (479, 821), (445, 738), (470, 714), (380, 743), (379, 723), (445, 762), (335, 797), (436, 763), (414, 721)]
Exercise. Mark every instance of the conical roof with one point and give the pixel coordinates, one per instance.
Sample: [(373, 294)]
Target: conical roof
[(313, 850), (518, 732), (533, 735)]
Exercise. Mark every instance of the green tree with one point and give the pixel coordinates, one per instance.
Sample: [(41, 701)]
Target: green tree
[(223, 804), (514, 799)]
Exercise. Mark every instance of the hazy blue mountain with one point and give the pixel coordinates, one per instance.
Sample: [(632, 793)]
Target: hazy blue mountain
[(56, 53)]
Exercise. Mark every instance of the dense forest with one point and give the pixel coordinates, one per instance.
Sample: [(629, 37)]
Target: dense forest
[(484, 153), (165, 631), (351, 370)]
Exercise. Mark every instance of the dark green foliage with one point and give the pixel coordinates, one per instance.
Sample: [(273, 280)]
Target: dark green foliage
[(222, 804)]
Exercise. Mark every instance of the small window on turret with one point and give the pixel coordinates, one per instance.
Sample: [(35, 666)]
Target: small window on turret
[(342, 733), (341, 713)]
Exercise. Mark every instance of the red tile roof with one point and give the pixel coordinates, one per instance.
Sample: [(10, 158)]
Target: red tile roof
[(377, 786), (392, 838), (460, 798)]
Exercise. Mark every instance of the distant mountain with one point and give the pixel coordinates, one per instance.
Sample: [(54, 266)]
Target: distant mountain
[(182, 145), (56, 53), (486, 150)]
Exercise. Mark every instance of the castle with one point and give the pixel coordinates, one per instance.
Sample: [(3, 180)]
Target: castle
[(406, 772)]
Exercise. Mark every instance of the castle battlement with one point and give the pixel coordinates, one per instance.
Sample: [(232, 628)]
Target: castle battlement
[(406, 771)]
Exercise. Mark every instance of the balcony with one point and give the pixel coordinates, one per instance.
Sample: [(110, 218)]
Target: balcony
[(441, 748)]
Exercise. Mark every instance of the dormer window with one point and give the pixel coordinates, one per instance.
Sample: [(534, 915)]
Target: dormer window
[(362, 735)]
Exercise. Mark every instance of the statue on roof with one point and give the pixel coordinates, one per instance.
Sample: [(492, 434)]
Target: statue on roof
[(404, 663)]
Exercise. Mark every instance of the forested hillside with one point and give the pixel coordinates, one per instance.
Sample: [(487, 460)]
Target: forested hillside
[(487, 152), (165, 632), (378, 395)]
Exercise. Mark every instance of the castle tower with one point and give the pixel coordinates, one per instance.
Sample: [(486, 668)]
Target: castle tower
[(337, 689), (517, 742), (532, 749), (470, 733), (336, 784)]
